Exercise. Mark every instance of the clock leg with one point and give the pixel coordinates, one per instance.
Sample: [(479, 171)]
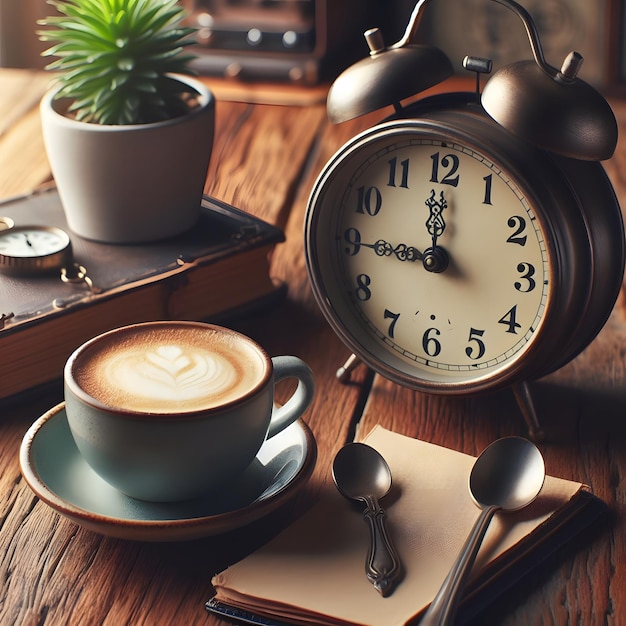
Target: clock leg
[(343, 373), (527, 407)]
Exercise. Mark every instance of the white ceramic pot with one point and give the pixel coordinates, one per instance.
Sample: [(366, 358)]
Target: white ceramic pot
[(134, 183)]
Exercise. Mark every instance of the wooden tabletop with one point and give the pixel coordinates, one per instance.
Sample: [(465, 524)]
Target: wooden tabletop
[(265, 159)]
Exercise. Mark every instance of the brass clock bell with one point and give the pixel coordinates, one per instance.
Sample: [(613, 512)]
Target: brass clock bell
[(471, 241)]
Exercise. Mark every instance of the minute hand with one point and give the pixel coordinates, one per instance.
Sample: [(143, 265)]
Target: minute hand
[(401, 251)]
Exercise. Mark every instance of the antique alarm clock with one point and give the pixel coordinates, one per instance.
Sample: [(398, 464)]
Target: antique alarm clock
[(471, 241)]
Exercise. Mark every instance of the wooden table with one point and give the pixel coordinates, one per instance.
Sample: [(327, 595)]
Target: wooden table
[(265, 159)]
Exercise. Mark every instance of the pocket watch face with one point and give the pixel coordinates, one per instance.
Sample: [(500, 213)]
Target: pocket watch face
[(32, 249), (32, 242), (428, 258)]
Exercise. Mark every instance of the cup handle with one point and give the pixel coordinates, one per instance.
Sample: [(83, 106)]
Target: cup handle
[(291, 367)]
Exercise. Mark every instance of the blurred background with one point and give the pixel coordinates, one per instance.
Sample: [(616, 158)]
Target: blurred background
[(310, 41)]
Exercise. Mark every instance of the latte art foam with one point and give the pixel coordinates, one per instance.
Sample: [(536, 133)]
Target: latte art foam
[(168, 369)]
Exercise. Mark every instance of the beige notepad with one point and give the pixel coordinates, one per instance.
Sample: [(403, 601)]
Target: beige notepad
[(314, 571)]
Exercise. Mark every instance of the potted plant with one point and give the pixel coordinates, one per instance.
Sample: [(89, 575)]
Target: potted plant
[(127, 129)]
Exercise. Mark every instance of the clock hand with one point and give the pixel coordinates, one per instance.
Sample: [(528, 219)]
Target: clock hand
[(435, 222), (31, 246), (401, 251), (435, 259)]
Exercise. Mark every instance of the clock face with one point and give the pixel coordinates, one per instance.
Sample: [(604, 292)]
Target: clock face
[(32, 242), (33, 249), (429, 258)]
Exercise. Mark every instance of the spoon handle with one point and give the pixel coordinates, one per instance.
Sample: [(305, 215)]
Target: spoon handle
[(443, 608), (383, 565)]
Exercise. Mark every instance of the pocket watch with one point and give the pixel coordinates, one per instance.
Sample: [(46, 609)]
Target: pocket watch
[(32, 250), (471, 241)]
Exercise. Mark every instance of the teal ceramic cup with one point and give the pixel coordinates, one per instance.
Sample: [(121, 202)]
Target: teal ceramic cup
[(169, 411)]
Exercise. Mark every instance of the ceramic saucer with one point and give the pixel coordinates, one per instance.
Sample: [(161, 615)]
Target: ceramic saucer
[(56, 472)]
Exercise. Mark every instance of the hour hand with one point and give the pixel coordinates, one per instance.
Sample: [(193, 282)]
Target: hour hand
[(435, 258), (435, 222)]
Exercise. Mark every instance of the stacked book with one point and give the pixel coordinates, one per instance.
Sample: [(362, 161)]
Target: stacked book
[(218, 269)]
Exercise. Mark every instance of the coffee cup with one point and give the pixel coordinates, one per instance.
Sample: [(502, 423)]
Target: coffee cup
[(169, 411)]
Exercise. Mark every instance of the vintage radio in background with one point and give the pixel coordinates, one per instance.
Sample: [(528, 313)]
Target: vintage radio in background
[(299, 41), (308, 41)]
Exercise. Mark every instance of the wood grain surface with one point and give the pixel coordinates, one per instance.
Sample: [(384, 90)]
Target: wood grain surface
[(265, 160)]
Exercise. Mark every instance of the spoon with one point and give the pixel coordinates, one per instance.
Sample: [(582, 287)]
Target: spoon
[(361, 473), (508, 475)]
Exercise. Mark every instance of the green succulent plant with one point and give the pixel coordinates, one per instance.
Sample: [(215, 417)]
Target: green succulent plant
[(115, 58)]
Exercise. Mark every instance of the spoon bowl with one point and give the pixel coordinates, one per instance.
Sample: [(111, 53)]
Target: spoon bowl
[(362, 474), (508, 475), (358, 469)]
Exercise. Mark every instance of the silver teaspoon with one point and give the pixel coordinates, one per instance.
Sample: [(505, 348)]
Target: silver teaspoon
[(508, 475), (361, 473)]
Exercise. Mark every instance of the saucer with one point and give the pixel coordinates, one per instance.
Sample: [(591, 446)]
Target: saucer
[(59, 476)]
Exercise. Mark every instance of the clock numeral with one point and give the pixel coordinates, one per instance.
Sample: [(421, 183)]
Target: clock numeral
[(394, 318), (430, 343), (527, 271), (353, 237), (519, 224), (450, 162), (369, 200), (509, 319), (488, 182), (404, 174), (363, 291), (477, 350)]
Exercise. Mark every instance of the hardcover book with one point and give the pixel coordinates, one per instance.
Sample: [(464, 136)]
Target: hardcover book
[(219, 268), (314, 571)]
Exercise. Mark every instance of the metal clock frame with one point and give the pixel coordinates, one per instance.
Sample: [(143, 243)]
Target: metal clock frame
[(573, 201)]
